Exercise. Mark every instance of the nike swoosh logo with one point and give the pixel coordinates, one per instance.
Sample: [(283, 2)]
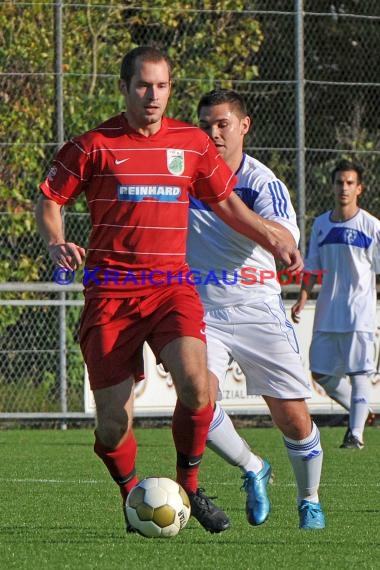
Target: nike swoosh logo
[(121, 160), (194, 463)]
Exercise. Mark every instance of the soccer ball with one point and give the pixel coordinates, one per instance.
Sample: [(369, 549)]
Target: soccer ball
[(157, 507)]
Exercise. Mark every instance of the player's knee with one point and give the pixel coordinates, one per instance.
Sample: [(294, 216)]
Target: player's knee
[(111, 431), (296, 426), (195, 401), (297, 430), (194, 395)]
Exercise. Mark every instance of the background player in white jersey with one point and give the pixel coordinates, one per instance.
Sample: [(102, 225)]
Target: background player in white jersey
[(345, 244), (245, 316)]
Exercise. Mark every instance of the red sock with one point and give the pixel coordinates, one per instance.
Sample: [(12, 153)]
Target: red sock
[(120, 462), (190, 428)]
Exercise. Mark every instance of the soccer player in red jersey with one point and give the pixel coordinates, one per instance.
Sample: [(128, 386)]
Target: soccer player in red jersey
[(137, 170)]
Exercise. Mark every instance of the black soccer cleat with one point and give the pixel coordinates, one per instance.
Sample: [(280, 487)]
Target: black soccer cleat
[(211, 517), (351, 441)]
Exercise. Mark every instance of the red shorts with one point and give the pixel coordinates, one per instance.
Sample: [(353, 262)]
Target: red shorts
[(113, 331)]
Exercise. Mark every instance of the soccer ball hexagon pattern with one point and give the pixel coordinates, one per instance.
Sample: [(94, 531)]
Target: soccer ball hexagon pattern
[(158, 507)]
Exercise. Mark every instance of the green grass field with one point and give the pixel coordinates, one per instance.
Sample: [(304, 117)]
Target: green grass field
[(60, 510)]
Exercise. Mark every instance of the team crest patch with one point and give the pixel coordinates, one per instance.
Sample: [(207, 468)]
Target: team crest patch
[(175, 160), (350, 235)]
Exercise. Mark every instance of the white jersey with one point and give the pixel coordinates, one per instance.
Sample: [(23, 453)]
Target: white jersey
[(230, 269), (349, 253)]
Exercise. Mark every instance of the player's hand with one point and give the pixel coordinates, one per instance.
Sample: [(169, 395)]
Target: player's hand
[(67, 254), (296, 312), (288, 254), (296, 261)]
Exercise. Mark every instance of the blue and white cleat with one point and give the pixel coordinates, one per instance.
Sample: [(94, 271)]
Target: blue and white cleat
[(311, 515), (257, 506)]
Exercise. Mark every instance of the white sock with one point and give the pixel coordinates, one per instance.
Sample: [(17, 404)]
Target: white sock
[(339, 389), (306, 457), (227, 443), (359, 404)]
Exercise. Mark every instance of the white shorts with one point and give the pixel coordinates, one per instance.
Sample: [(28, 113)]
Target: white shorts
[(263, 343), (338, 354)]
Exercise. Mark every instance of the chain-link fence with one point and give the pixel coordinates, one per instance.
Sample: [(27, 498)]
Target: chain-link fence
[(309, 72)]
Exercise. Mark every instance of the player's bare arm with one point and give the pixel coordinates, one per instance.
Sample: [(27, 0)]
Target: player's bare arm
[(49, 221), (270, 235), (303, 296)]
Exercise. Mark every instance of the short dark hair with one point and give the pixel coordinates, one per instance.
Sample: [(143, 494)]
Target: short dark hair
[(345, 165), (219, 96), (144, 53)]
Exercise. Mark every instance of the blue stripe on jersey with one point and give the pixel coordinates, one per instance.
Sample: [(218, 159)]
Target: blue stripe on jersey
[(280, 204), (248, 196), (347, 236), (196, 204)]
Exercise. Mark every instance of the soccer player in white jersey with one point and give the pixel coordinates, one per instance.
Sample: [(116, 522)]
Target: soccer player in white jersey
[(345, 244), (246, 320)]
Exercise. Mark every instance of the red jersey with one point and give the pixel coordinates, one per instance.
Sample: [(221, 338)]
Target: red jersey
[(137, 190)]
